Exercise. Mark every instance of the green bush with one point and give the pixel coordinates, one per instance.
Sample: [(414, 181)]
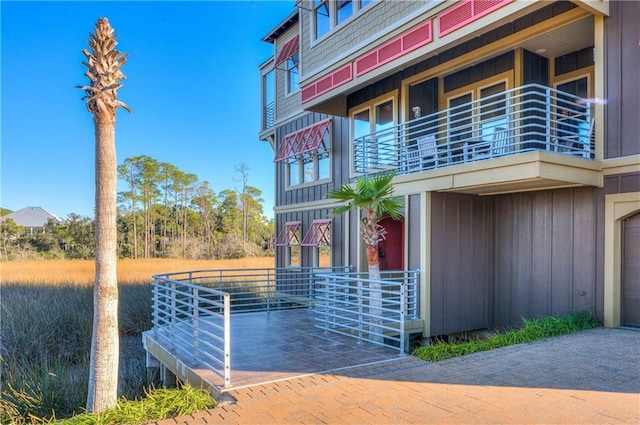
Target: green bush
[(532, 330)]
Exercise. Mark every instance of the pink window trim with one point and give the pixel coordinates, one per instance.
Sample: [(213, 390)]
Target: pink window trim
[(302, 141), (318, 234), (289, 48), (288, 233), (476, 13)]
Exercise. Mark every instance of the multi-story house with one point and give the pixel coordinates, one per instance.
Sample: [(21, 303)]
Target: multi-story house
[(514, 130)]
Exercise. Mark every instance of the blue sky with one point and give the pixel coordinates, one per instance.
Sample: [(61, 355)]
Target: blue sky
[(192, 83)]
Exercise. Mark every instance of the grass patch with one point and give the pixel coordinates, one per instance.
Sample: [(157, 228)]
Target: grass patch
[(532, 330), (157, 404)]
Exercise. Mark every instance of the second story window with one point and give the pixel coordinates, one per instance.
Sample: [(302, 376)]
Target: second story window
[(306, 154), (292, 73), (372, 130), (321, 17)]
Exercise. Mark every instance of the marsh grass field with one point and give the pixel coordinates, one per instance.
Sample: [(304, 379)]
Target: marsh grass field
[(46, 312)]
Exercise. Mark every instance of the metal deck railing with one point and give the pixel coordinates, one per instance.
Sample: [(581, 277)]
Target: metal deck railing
[(375, 311), (193, 309), (527, 118)]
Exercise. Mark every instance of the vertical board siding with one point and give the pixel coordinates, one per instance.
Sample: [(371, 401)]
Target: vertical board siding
[(541, 237), (459, 263), (503, 252), (546, 254), (497, 259), (584, 249), (414, 232), (562, 249), (622, 85), (521, 268)]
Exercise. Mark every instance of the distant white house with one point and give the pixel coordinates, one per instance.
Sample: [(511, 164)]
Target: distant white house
[(31, 218)]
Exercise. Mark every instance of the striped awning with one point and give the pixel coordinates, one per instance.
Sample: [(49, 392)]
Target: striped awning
[(302, 141), (319, 234), (289, 235), (289, 48)]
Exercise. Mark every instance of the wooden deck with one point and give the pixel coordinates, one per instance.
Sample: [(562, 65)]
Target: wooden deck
[(266, 347)]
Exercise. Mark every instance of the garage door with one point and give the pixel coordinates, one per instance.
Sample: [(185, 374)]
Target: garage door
[(631, 271)]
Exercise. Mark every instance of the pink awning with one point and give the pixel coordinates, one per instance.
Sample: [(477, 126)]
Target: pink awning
[(306, 140), (319, 234), (289, 235), (289, 48)]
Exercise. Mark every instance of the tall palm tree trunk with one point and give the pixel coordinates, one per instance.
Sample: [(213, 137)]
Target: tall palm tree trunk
[(371, 234), (105, 347)]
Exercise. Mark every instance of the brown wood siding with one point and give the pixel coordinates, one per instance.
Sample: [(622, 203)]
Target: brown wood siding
[(497, 259), (545, 250), (622, 84), (460, 293), (414, 232), (622, 183)]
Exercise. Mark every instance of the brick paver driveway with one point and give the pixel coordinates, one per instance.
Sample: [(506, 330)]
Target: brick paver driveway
[(590, 377)]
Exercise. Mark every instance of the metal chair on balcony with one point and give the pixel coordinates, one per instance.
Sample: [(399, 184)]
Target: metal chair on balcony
[(498, 146), (586, 138), (423, 154), (577, 139)]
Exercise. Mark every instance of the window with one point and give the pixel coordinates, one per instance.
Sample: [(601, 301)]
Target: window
[(345, 9), (268, 100), (289, 237), (321, 17), (328, 14), (374, 136), (477, 113), (318, 237), (306, 154), (292, 73)]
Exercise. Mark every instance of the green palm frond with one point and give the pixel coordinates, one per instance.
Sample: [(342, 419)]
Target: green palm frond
[(371, 194)]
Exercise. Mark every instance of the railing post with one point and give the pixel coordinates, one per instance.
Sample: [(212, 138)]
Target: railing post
[(268, 290), (227, 340), (360, 318), (403, 337), (311, 285), (547, 93), (156, 307), (172, 315), (196, 324)]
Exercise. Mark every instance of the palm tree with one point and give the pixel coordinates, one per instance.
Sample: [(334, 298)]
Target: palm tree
[(373, 195), (103, 70)]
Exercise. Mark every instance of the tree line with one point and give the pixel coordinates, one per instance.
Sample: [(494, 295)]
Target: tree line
[(162, 212)]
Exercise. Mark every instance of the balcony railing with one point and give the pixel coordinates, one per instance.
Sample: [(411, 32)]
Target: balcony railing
[(268, 115), (527, 118)]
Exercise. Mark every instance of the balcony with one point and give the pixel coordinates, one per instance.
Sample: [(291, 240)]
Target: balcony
[(541, 137), (268, 115)]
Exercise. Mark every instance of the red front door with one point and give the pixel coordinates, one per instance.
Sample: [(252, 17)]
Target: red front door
[(391, 249)]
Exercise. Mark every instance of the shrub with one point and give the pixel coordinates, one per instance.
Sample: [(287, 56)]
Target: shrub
[(532, 330)]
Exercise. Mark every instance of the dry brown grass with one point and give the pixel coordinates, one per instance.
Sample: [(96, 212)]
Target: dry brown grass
[(81, 272)]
